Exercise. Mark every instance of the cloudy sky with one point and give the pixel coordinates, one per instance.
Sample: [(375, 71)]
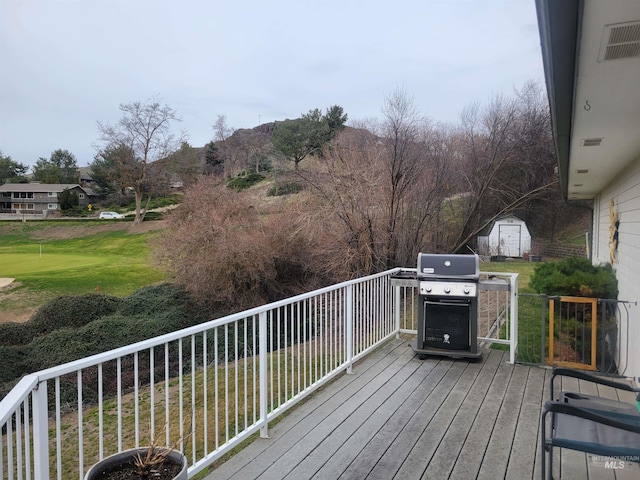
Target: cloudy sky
[(66, 64)]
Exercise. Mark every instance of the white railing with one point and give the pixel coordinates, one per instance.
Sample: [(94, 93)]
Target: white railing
[(207, 387)]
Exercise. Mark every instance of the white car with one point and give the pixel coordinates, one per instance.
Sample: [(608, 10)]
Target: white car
[(104, 215)]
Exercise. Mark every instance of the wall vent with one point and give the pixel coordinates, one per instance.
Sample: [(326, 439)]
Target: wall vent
[(621, 40), (591, 142), (584, 170)]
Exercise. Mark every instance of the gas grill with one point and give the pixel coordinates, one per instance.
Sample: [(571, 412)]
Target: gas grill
[(448, 305)]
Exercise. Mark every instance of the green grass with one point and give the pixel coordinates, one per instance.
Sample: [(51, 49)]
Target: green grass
[(113, 262), (521, 267)]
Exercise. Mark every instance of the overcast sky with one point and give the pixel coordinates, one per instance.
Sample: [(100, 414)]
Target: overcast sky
[(66, 64)]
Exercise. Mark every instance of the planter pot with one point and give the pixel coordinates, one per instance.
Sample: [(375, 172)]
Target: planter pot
[(499, 258), (535, 258), (111, 467)]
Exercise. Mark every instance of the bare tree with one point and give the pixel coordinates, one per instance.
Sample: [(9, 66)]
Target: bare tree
[(221, 129), (381, 194), (145, 130), (507, 161)]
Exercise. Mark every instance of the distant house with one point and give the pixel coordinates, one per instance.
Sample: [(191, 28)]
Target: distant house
[(508, 236), (38, 198)]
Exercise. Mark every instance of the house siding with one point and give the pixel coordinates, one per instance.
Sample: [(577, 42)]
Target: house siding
[(36, 195), (625, 192)]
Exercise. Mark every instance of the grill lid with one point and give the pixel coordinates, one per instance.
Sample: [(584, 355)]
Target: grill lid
[(448, 266)]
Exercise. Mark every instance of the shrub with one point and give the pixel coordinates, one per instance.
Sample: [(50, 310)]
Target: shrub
[(284, 189), (71, 311), (230, 256), (77, 211), (574, 277), (244, 180), (13, 333), (73, 327), (68, 199)]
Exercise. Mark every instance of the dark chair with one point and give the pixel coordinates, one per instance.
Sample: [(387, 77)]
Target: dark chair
[(590, 424)]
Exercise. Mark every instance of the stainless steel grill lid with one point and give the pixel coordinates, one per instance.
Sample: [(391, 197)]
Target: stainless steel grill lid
[(448, 266)]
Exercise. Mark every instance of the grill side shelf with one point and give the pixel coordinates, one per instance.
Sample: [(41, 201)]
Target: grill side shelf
[(494, 284)]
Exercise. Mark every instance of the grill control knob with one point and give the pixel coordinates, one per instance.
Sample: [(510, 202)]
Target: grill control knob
[(447, 289), (467, 290), (427, 289)]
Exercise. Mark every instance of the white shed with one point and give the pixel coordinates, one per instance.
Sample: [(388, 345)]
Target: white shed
[(509, 236)]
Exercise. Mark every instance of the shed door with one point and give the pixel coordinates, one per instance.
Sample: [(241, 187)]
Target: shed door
[(509, 238)]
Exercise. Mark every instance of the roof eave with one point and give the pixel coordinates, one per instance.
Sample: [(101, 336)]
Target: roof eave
[(558, 23)]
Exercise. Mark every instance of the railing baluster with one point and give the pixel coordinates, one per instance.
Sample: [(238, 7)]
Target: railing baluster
[(136, 400), (80, 430), (226, 381), (167, 434), (58, 431), (27, 440), (216, 387), (246, 374), (264, 429), (253, 373), (119, 400), (180, 395), (236, 367), (152, 391), (100, 415), (193, 399), (2, 457), (205, 392), (10, 444)]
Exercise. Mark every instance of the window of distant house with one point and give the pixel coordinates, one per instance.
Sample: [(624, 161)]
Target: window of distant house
[(29, 194), (23, 194), (16, 195), (23, 206), (52, 206), (51, 194), (81, 196)]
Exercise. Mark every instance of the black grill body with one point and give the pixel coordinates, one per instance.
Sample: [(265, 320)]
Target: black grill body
[(448, 305)]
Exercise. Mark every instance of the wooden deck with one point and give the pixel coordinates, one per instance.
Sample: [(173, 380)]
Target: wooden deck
[(401, 417)]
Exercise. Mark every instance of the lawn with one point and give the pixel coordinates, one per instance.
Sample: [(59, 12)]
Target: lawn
[(49, 259), (521, 267)]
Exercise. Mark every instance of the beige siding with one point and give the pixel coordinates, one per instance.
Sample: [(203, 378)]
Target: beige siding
[(625, 192)]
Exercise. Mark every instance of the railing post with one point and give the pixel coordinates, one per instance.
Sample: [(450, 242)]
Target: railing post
[(396, 305), (513, 344), (40, 432), (349, 327), (262, 340)]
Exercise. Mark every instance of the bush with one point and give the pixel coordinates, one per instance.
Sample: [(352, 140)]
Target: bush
[(71, 311), (575, 277), (284, 189), (245, 180), (77, 211), (73, 327), (13, 333), (68, 199)]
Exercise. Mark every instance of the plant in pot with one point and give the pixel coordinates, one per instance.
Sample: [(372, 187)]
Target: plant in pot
[(146, 463)]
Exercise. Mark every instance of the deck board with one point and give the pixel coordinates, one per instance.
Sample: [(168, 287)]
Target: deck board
[(402, 417)]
